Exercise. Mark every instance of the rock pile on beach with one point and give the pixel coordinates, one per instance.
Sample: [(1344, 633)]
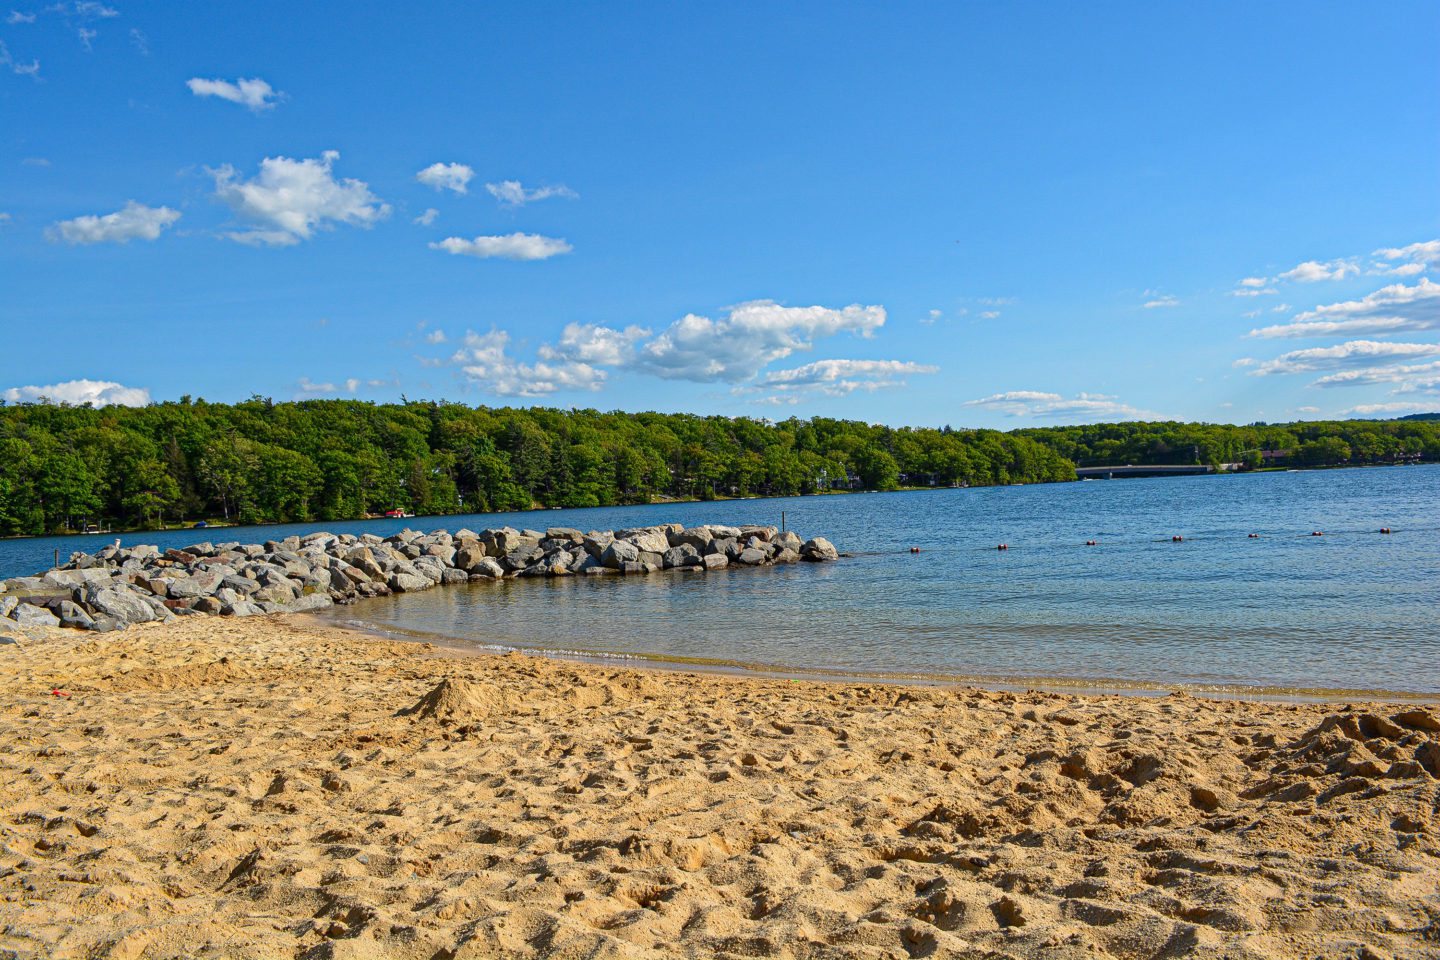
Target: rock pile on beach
[(115, 587)]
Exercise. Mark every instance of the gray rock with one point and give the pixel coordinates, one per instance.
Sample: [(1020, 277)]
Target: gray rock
[(715, 561), (487, 568), (201, 584), (315, 601), (469, 555), (241, 608), (71, 614), (788, 539), (818, 549), (618, 553), (633, 567), (451, 575), (684, 555), (408, 583), (567, 534), (649, 541), (751, 557), (124, 605), (29, 615), (103, 624), (787, 556), (8, 605)]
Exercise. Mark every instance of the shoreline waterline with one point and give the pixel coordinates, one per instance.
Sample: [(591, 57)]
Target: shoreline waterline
[(1014, 683)]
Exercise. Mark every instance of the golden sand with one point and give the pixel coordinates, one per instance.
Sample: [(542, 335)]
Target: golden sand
[(267, 788)]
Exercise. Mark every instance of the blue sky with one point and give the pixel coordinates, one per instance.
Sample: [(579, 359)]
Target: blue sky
[(975, 214)]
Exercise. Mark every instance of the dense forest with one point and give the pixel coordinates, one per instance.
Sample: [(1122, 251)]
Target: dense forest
[(65, 466)]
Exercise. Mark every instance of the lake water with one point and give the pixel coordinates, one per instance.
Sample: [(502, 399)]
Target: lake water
[(1351, 610)]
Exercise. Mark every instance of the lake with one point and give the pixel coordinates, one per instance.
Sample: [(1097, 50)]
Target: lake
[(1353, 609)]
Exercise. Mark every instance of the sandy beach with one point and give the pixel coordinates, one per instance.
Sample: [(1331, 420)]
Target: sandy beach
[(271, 788)]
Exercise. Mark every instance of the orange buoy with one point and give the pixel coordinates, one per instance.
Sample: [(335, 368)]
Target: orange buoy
[(1384, 529), (914, 549)]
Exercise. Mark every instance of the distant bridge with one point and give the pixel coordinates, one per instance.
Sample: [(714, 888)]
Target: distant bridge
[(1129, 470)]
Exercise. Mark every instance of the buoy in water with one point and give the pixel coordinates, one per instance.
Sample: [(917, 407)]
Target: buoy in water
[(1177, 539), (1317, 533), (1003, 546), (1091, 543), (1254, 536), (1384, 529), (914, 549)]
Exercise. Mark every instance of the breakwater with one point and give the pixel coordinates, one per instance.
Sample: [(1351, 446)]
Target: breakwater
[(118, 586)]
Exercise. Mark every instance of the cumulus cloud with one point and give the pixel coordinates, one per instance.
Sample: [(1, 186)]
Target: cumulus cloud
[(446, 176), (290, 199), (1391, 309), (1162, 300), (101, 393), (1313, 271), (1082, 406), (484, 360), (435, 336), (735, 348), (592, 343), (749, 337), (514, 246), (1352, 353), (513, 194), (253, 94), (428, 217), (1409, 260), (307, 387), (837, 378), (134, 221)]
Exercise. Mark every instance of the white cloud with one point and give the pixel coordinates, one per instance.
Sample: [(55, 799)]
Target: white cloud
[(1414, 258), (512, 194), (1250, 290), (1395, 407), (98, 392), (428, 217), (1307, 409), (1350, 353), (307, 387), (290, 199), (446, 176), (484, 361), (1406, 377), (1036, 403), (931, 317), (31, 69), (591, 343), (514, 246), (17, 17), (435, 336), (751, 336), (1254, 282), (836, 378), (1313, 271), (1390, 309), (134, 221), (989, 314), (1163, 300), (254, 94)]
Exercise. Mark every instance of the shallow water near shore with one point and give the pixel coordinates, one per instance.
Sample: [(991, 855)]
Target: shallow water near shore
[(1354, 609)]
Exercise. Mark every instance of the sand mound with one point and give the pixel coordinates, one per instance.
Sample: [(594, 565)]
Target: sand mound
[(453, 702)]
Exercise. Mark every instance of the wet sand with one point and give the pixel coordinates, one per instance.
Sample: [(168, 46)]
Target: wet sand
[(271, 788)]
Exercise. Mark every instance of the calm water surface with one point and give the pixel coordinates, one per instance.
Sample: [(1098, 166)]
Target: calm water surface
[(1354, 609)]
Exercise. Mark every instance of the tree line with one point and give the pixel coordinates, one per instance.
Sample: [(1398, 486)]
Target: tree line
[(63, 466)]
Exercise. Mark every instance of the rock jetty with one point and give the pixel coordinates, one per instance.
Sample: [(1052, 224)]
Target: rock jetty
[(117, 586)]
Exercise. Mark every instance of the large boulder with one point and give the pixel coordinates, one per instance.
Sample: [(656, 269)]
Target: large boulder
[(818, 549), (201, 584), (469, 554), (71, 614), (487, 568), (315, 601), (649, 541), (409, 583), (788, 539), (124, 605), (682, 556), (29, 615), (751, 557), (618, 553)]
